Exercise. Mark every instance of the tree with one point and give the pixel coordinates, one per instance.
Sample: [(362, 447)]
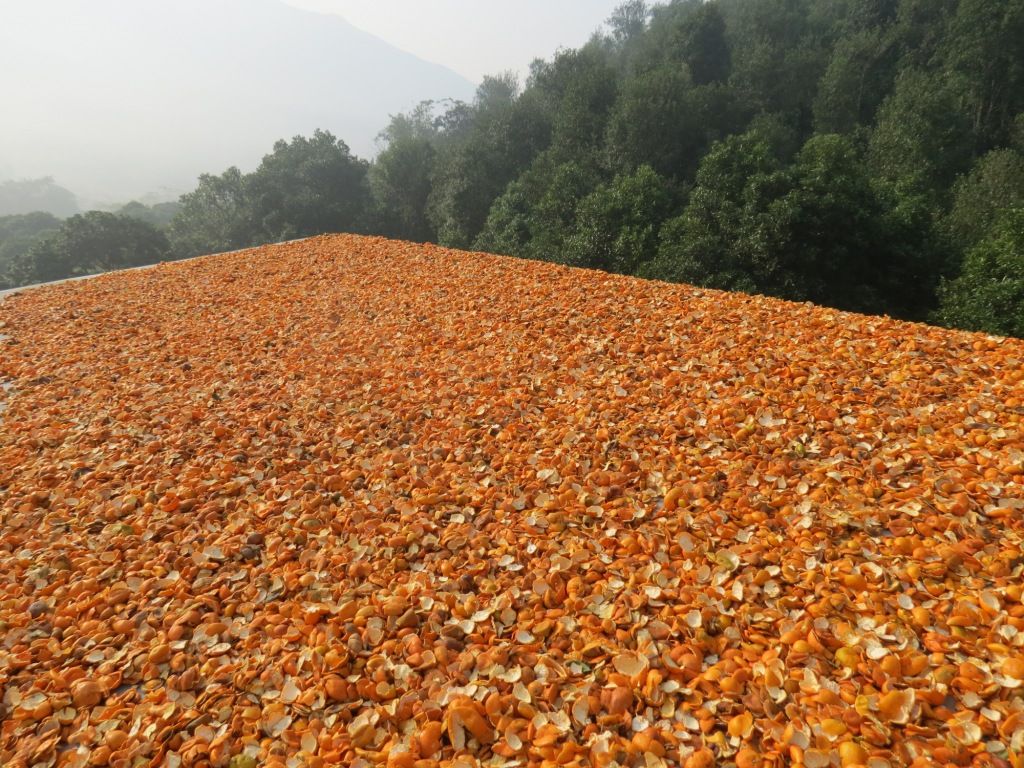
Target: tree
[(923, 26), (995, 183), (467, 181), (922, 141), (689, 35), (508, 230), (537, 213), (618, 223), (215, 217), (96, 242), (628, 21), (848, 152), (580, 87), (778, 57), (309, 186), (662, 120), (701, 38), (858, 77), (401, 176), (989, 293), (158, 214), (984, 47), (18, 233), (854, 254), (722, 239), (554, 216), (1016, 137), (815, 230), (471, 172)]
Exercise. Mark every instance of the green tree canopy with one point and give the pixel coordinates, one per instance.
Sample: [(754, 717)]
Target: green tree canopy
[(401, 176), (628, 21), (989, 293), (537, 213), (814, 230), (18, 233), (158, 214), (215, 217), (995, 183), (922, 141), (309, 186), (723, 237), (859, 74), (471, 172), (851, 152), (617, 224), (96, 242), (984, 51), (663, 120)]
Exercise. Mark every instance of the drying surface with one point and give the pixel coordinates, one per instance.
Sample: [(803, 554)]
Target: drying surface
[(352, 500)]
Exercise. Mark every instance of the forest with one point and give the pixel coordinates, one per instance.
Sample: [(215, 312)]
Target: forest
[(861, 154)]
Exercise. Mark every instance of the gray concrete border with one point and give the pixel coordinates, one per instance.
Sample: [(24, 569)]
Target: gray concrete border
[(23, 288)]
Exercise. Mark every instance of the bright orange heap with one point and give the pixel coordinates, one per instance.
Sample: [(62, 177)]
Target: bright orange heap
[(352, 502)]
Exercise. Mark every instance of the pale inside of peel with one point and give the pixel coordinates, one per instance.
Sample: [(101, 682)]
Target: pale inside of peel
[(275, 723), (630, 664), (581, 710), (896, 706)]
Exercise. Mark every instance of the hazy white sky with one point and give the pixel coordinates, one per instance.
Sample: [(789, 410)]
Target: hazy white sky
[(474, 37), (121, 99)]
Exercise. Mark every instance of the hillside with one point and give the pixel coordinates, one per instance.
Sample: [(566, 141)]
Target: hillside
[(351, 501), (178, 88)]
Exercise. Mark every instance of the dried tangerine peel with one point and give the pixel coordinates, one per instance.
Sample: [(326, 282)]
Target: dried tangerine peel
[(354, 501)]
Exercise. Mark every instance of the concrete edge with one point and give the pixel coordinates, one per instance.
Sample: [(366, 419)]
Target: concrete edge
[(22, 288)]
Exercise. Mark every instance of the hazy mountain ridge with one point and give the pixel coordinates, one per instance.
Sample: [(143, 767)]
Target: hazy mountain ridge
[(209, 84)]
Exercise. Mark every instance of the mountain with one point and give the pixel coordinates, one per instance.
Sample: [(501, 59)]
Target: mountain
[(24, 196), (119, 99)]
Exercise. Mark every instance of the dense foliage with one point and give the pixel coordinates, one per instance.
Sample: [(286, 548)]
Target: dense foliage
[(304, 187), (18, 233), (859, 153), (93, 242), (989, 293), (864, 154), (158, 214)]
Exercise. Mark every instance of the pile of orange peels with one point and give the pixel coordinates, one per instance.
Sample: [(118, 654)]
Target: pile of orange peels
[(351, 501)]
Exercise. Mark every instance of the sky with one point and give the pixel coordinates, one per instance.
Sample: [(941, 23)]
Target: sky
[(123, 99), (474, 37)]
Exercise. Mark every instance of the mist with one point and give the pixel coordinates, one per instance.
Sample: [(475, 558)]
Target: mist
[(120, 100)]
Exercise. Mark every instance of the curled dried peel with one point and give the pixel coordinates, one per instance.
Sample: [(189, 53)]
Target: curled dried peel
[(896, 706), (630, 664), (1014, 667), (366, 502), (742, 725)]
